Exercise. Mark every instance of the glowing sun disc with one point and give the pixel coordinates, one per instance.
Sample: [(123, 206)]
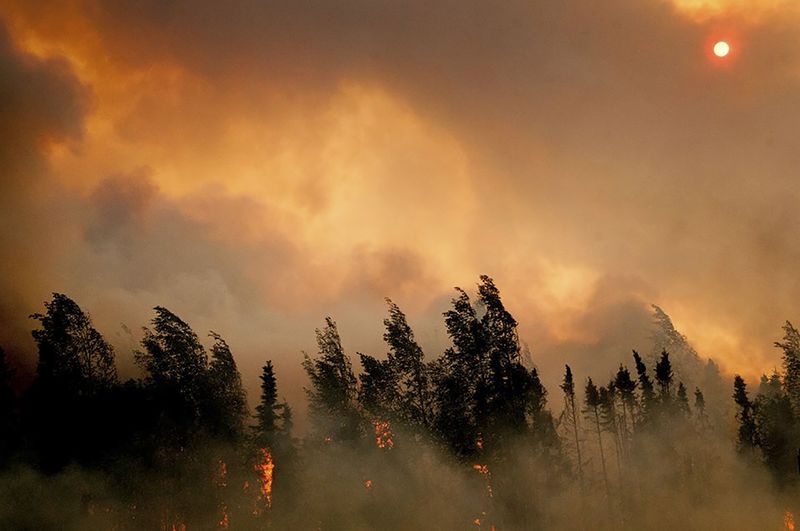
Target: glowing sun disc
[(721, 49)]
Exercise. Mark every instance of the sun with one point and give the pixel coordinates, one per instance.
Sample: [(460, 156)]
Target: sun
[(721, 49)]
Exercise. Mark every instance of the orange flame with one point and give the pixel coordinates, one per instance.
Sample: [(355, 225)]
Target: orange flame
[(383, 434), (788, 521), (368, 484), (264, 469)]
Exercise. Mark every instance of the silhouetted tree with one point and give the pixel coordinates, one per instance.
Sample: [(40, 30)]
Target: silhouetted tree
[(570, 418), (542, 423), (592, 411), (176, 365), (462, 379), (227, 409), (332, 395), (700, 408), (509, 379), (268, 408), (626, 387), (68, 412), (682, 400), (664, 376), (747, 435), (72, 354), (407, 361), (791, 364), (646, 387), (379, 393), (776, 430)]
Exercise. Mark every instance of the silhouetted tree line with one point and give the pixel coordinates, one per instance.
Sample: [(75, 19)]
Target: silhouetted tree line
[(178, 448)]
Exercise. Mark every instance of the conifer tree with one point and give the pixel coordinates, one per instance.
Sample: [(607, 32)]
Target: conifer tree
[(268, 408), (609, 419), (542, 423), (791, 364), (332, 395), (508, 379), (747, 434), (592, 411), (700, 408), (379, 393), (646, 387), (72, 353), (626, 388), (570, 418), (228, 407), (682, 400), (664, 376), (175, 361), (462, 378), (407, 361)]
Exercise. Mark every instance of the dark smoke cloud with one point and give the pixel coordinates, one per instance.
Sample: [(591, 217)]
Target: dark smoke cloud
[(305, 159)]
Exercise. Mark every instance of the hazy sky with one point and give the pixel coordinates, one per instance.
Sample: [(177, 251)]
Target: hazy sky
[(256, 165)]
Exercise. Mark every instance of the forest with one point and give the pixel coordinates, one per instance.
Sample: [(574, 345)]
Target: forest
[(467, 439)]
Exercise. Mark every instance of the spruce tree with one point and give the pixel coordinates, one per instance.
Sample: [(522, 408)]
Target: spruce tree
[(626, 387), (791, 364), (407, 362), (664, 377), (592, 411), (72, 353), (747, 435), (646, 386), (508, 378), (268, 408), (228, 407), (176, 365), (379, 393), (570, 418), (332, 395)]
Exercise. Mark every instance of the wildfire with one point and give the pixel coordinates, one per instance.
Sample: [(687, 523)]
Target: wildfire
[(264, 468), (224, 523), (383, 434), (482, 469), (221, 477), (788, 521), (220, 480)]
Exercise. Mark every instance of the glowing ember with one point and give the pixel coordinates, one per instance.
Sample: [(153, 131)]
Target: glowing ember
[(328, 439), (221, 476), (788, 521), (225, 521), (383, 435), (477, 522), (368, 484), (479, 442), (482, 469), (264, 468)]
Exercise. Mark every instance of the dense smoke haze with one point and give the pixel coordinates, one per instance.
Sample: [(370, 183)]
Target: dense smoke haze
[(258, 166)]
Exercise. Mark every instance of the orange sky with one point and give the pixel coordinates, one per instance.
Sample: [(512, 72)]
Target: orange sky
[(256, 166)]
